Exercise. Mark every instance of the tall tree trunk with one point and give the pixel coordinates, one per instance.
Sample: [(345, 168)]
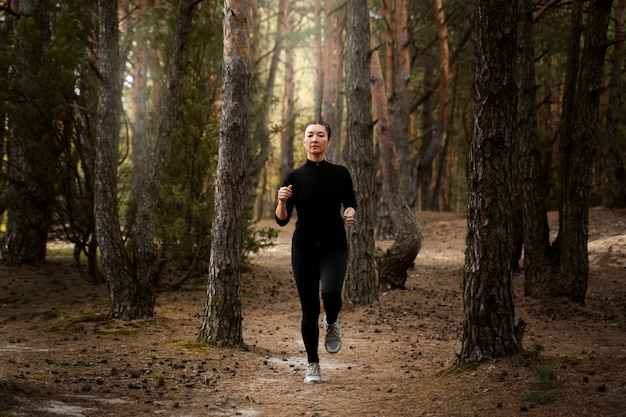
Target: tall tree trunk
[(429, 154), (567, 127), (613, 161), (139, 104), (332, 100), (396, 261), (399, 104), (424, 173), (288, 109), (222, 311), (319, 59), (148, 262), (528, 180), (115, 260), (488, 327), (261, 100), (33, 156), (579, 151), (361, 284)]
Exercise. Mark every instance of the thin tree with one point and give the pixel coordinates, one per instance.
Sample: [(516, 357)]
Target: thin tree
[(527, 162), (613, 161), (333, 63), (132, 266), (577, 155), (435, 144), (222, 311), (114, 256), (361, 283), (289, 99), (261, 101), (488, 327)]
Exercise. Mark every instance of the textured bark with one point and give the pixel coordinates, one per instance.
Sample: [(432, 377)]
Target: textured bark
[(33, 155), (527, 163), (435, 144), (488, 327), (613, 161), (578, 149), (115, 260), (222, 311), (395, 262), (399, 104), (361, 283), (288, 109), (319, 59), (332, 100)]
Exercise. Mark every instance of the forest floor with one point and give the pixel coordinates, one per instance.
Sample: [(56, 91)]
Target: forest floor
[(60, 355)]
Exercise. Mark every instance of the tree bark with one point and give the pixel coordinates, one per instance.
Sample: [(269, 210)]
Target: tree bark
[(613, 161), (395, 262), (319, 54), (222, 311), (332, 100), (361, 283), (488, 327), (527, 167), (33, 154), (115, 260), (578, 149), (288, 109)]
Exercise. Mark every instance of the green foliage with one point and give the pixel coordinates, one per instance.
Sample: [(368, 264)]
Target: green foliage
[(538, 397), (542, 381), (255, 239), (186, 210)]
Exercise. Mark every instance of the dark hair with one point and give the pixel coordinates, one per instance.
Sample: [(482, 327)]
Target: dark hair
[(319, 122)]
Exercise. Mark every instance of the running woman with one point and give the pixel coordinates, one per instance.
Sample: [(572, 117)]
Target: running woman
[(319, 191)]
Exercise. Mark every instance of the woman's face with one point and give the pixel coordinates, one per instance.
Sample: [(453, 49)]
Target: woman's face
[(316, 141)]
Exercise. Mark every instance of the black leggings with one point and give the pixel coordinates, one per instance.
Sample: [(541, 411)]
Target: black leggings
[(310, 266)]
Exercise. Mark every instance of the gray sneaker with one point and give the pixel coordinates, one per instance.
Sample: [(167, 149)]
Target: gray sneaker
[(333, 336), (312, 375)]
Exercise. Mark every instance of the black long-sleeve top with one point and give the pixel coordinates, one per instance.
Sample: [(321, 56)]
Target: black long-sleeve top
[(320, 189)]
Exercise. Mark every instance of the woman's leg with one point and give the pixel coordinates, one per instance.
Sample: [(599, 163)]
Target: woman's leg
[(307, 276), (333, 267)]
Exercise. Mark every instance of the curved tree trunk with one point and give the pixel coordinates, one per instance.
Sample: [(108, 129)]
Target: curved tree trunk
[(395, 262)]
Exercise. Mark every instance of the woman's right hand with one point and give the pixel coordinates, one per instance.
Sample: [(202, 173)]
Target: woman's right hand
[(284, 193)]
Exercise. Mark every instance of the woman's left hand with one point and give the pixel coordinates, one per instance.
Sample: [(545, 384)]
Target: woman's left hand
[(348, 217)]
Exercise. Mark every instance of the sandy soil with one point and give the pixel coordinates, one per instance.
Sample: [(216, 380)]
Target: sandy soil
[(61, 356)]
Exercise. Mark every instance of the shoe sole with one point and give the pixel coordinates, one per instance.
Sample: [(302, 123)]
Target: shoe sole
[(333, 350)]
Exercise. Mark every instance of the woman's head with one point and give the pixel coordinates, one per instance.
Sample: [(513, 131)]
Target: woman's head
[(316, 140), (319, 122)]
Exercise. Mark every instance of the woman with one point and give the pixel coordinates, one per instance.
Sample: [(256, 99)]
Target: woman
[(319, 251)]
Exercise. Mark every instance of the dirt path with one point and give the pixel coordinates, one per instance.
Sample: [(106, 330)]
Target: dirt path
[(61, 356)]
